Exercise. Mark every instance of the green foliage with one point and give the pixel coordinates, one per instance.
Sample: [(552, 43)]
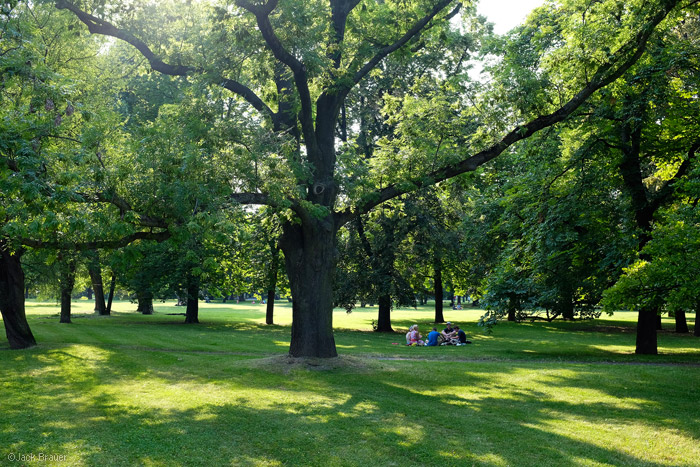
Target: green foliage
[(668, 277), (370, 258)]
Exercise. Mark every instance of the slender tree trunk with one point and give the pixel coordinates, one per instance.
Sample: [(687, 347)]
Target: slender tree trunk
[(96, 277), (12, 299), (646, 332), (309, 255), (681, 321), (437, 283), (112, 285), (88, 292), (270, 308), (696, 332), (26, 292), (384, 317), (382, 262), (511, 308), (67, 282), (272, 282), (192, 312)]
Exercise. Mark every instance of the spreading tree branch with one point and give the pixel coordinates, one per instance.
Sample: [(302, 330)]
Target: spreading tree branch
[(340, 9), (667, 189), (410, 34), (251, 198), (99, 26), (123, 206), (96, 244), (619, 63), (262, 16)]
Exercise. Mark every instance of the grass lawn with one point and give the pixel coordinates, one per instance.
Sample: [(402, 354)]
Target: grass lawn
[(130, 389)]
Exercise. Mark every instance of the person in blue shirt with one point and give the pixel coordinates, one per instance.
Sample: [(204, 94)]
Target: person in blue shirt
[(433, 338)]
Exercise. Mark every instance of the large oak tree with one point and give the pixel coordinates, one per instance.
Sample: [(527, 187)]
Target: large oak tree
[(295, 72)]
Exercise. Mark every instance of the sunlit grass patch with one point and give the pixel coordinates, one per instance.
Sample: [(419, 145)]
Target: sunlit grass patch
[(148, 390)]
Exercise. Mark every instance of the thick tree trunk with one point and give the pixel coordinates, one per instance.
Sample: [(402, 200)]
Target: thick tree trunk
[(192, 312), (567, 309), (309, 254), (659, 323), (437, 283), (145, 302), (12, 299), (112, 285), (681, 322), (67, 283), (646, 332), (96, 278), (384, 317)]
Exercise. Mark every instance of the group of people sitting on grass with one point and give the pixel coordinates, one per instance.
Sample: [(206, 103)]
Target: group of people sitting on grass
[(449, 336)]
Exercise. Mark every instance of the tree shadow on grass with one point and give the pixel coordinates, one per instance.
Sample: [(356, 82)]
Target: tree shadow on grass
[(124, 407)]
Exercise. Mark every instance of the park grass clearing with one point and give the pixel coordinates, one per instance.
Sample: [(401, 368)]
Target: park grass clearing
[(147, 390)]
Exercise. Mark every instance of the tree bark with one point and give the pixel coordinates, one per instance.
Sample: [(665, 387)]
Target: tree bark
[(646, 332), (67, 282), (437, 284), (631, 170), (192, 312), (272, 283), (88, 292), (12, 299), (96, 277), (681, 321), (567, 308), (384, 316), (112, 285), (309, 255), (270, 307), (145, 302), (696, 332), (512, 305)]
